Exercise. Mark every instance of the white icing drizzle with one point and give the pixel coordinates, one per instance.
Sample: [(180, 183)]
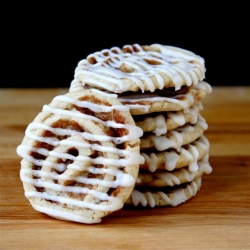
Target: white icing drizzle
[(169, 178), (194, 111), (139, 198), (75, 85), (161, 126), (85, 104), (65, 215), (207, 87), (201, 122), (162, 143), (177, 198), (138, 180), (151, 161), (195, 154), (185, 128), (116, 202), (202, 142), (143, 108), (171, 160), (120, 179), (174, 198), (104, 69), (129, 102), (80, 141), (150, 199), (179, 117)]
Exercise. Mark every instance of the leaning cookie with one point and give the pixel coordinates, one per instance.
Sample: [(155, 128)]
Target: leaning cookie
[(173, 196), (80, 157)]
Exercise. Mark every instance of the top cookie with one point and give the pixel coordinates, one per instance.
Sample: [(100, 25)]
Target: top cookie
[(145, 68)]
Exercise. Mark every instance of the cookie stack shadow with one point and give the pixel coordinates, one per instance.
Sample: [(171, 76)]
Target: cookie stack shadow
[(163, 87)]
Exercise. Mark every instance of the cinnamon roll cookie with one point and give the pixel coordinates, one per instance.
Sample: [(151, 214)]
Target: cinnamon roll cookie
[(164, 196), (176, 177), (174, 138), (140, 68), (80, 157), (165, 100), (161, 122), (171, 159)]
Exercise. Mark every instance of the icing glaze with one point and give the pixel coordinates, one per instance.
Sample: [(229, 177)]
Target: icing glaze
[(162, 142), (161, 126)]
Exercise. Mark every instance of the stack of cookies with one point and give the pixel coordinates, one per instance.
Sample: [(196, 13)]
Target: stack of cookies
[(162, 87), (128, 132)]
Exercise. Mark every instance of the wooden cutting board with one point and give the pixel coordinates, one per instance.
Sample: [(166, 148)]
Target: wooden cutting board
[(218, 217)]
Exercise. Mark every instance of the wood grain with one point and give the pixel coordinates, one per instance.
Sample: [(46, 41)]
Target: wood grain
[(217, 218)]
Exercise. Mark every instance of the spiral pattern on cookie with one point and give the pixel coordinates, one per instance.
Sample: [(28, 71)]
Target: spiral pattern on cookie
[(80, 157)]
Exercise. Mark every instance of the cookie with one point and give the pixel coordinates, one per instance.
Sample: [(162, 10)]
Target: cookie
[(146, 103), (80, 157), (144, 68), (174, 138), (161, 122), (171, 159), (176, 177), (173, 196)]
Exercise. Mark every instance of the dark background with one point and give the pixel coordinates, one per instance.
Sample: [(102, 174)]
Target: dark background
[(43, 46)]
